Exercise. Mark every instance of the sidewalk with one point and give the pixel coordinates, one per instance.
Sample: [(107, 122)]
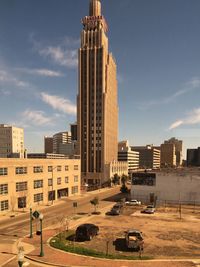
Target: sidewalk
[(53, 257), (60, 258)]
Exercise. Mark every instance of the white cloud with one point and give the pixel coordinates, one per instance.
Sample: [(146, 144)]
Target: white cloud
[(63, 53), (191, 118), (61, 56), (4, 92), (6, 77), (59, 103), (36, 117), (193, 84), (42, 72)]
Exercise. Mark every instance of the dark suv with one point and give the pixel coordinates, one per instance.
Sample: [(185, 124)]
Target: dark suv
[(86, 231)]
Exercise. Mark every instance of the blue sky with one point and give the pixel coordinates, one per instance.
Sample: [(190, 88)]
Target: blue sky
[(156, 45)]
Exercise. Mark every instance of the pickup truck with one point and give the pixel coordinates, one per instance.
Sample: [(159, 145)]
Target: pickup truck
[(134, 239)]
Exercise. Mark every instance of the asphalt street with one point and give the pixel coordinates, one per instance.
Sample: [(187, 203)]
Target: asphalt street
[(14, 228)]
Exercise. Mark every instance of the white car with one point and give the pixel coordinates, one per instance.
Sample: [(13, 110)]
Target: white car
[(133, 202)]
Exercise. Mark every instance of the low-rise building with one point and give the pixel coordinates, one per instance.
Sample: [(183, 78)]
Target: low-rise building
[(171, 186), (29, 182), (116, 167)]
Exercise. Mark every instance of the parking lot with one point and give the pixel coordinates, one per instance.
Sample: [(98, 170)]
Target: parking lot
[(167, 233)]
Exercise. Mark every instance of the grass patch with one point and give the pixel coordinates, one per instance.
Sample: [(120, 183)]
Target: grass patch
[(61, 242)]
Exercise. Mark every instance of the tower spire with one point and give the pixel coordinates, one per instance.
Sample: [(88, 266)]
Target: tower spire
[(95, 8)]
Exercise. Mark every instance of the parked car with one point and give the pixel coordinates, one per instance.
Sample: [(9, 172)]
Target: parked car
[(113, 212), (134, 239), (133, 202), (86, 231), (150, 209), (118, 206)]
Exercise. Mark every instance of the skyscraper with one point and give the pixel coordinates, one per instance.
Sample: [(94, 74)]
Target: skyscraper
[(97, 98)]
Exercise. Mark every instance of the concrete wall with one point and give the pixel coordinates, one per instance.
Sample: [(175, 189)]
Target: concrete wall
[(171, 187)]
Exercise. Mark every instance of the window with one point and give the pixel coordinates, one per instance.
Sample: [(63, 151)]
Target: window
[(38, 183), (59, 168), (66, 179), (21, 170), (4, 205), (59, 180), (76, 178), (50, 168), (74, 189), (38, 197), (3, 189), (66, 168), (76, 167), (21, 186), (3, 171), (37, 169), (21, 202), (50, 182)]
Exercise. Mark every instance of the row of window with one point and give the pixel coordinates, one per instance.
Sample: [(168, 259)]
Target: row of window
[(4, 205), (23, 186), (36, 169)]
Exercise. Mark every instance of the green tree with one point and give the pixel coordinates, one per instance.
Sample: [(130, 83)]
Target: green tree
[(95, 202), (124, 179), (124, 189), (116, 179)]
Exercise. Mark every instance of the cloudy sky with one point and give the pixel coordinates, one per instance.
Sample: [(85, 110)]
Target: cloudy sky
[(156, 44)]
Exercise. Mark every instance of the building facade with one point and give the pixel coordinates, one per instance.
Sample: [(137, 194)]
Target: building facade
[(97, 106), (73, 128), (48, 144), (149, 157), (60, 138), (130, 156), (193, 157), (178, 149), (25, 183), (178, 186), (168, 155), (11, 142)]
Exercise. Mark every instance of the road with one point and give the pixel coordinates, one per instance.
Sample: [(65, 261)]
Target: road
[(13, 229)]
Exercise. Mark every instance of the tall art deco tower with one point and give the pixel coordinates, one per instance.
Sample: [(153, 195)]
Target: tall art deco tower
[(97, 99)]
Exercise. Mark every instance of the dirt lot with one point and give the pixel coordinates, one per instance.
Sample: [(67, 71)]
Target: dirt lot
[(166, 235)]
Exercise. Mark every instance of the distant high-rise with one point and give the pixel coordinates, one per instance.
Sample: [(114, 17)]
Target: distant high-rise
[(168, 155), (149, 156), (193, 157), (11, 141), (178, 149), (126, 154), (48, 144), (60, 138), (73, 127), (97, 98)]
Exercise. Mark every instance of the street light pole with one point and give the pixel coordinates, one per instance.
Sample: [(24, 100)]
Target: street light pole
[(41, 241), (31, 225)]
